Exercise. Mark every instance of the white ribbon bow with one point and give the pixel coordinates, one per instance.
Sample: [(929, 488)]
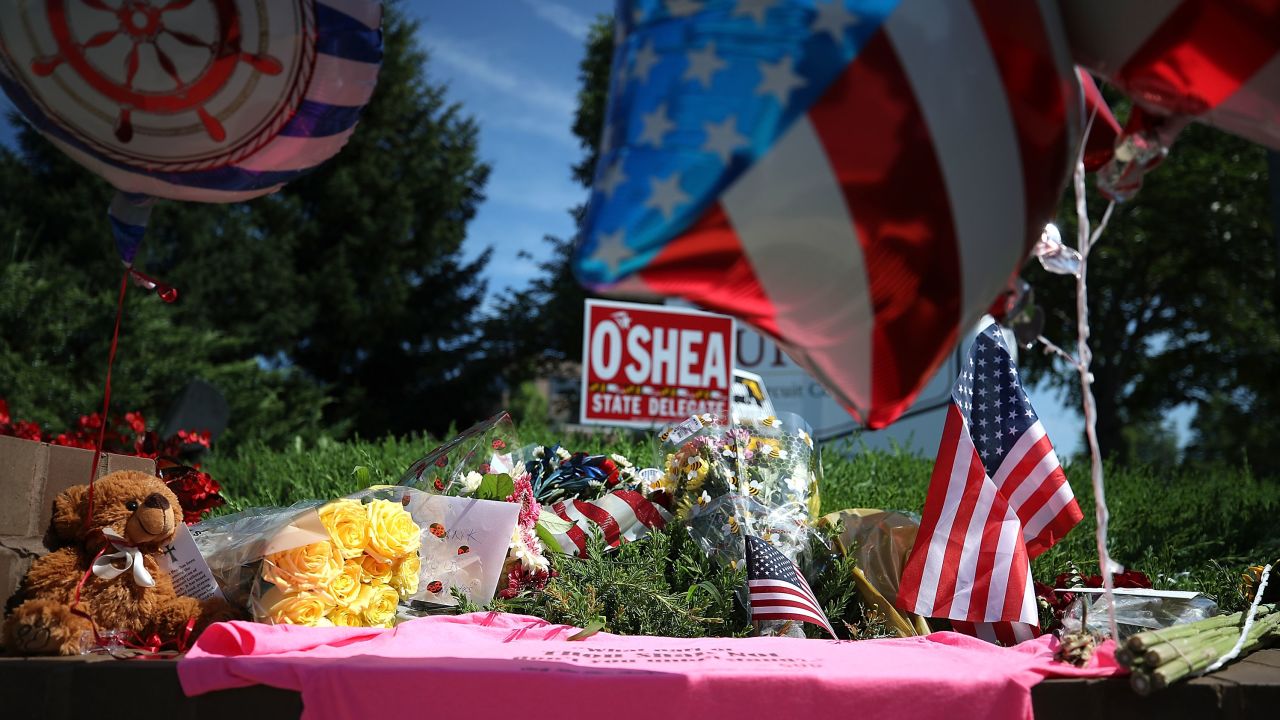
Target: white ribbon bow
[(105, 566)]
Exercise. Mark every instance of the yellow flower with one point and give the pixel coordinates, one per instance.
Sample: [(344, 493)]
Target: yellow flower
[(346, 587), (362, 600), (405, 576), (374, 570), (381, 608), (302, 608), (342, 617), (308, 567), (392, 531), (348, 525)]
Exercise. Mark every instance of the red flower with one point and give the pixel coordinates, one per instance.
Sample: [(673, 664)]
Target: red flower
[(197, 492), (26, 430), (439, 485), (442, 461), (612, 472), (4, 412), (137, 423), (498, 444)]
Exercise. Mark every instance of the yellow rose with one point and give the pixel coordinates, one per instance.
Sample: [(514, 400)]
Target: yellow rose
[(405, 576), (308, 567), (392, 531), (374, 570), (346, 586), (342, 617), (301, 608), (381, 608), (348, 525)]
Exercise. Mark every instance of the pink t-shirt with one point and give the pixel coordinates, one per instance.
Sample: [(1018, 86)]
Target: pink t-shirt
[(491, 664)]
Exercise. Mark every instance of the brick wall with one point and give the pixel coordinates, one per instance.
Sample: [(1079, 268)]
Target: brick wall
[(31, 476)]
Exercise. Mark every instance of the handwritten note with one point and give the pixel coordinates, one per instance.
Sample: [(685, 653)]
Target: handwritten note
[(464, 546)]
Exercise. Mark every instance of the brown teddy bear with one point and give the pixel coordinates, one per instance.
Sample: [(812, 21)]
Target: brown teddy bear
[(135, 515)]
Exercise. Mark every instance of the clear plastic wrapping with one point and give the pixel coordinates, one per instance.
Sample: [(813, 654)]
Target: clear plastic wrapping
[(756, 478), (1136, 613), (344, 562), (880, 541), (459, 466)]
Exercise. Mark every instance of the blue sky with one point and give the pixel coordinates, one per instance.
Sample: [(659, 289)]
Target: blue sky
[(513, 65)]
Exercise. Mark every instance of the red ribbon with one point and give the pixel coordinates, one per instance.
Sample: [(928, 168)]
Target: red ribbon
[(106, 403), (167, 293)]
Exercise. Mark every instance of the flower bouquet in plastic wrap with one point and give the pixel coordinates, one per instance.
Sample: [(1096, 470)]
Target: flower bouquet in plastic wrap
[(479, 464), (345, 562), (562, 495), (754, 478)]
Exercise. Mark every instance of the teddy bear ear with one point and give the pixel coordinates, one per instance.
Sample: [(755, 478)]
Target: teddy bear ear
[(68, 513)]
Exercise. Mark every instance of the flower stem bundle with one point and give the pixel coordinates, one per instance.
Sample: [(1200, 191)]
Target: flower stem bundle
[(1159, 658)]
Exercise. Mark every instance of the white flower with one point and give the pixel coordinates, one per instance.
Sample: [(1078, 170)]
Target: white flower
[(621, 461), (563, 454), (531, 559), (471, 482), (539, 451)]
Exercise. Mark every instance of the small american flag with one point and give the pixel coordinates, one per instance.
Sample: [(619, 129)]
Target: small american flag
[(998, 498), (776, 590)]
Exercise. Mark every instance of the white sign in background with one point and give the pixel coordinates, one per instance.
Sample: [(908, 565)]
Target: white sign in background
[(793, 390)]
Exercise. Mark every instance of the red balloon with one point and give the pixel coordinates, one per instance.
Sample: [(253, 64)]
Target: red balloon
[(1100, 144), (1215, 61)]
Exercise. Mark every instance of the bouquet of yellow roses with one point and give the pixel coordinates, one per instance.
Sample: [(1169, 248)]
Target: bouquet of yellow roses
[(345, 562)]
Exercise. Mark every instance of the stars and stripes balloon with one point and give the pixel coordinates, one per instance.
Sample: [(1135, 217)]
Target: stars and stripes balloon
[(204, 100), (1215, 61), (857, 178)]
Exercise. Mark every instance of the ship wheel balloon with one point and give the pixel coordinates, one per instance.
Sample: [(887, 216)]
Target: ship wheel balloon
[(198, 100), (143, 25)]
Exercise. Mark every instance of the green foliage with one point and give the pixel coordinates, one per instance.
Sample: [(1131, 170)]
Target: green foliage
[(662, 586), (1186, 529), (340, 303), (56, 339), (528, 405), (495, 487)]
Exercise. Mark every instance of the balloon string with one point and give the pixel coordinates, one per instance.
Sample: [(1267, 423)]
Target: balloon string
[(106, 396), (1084, 356)]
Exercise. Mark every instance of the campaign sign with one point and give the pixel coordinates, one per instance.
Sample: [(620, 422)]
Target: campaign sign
[(649, 365)]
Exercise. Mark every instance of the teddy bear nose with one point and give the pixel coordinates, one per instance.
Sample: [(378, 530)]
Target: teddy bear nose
[(156, 500)]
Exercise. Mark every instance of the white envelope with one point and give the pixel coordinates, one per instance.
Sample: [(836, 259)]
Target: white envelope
[(464, 546)]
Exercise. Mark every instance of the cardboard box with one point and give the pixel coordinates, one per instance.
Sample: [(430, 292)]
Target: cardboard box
[(31, 476)]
